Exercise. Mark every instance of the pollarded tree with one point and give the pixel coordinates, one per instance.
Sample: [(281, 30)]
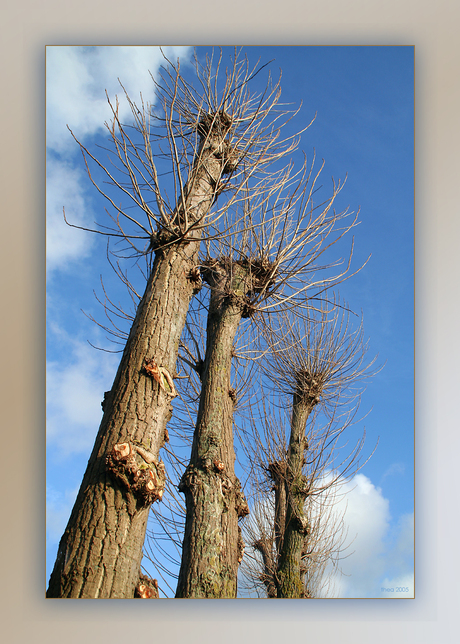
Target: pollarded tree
[(325, 543), (320, 363), (216, 140), (266, 263)]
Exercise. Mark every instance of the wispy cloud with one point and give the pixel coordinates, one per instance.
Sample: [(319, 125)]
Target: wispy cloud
[(75, 389), (375, 551), (76, 81), (66, 187), (394, 469), (75, 386)]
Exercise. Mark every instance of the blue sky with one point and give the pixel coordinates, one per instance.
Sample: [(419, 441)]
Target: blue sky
[(363, 101)]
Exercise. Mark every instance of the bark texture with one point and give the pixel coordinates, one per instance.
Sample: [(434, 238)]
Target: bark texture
[(289, 576), (212, 547), (283, 568), (268, 577), (100, 552)]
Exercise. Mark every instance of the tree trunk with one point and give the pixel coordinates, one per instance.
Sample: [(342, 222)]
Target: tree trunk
[(212, 547), (268, 577), (289, 574), (100, 552)]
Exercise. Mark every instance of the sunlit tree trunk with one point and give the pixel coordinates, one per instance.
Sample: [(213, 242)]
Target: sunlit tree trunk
[(289, 576), (268, 577), (212, 547)]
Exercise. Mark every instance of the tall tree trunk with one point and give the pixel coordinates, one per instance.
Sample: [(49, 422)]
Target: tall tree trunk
[(212, 547), (100, 552), (289, 576)]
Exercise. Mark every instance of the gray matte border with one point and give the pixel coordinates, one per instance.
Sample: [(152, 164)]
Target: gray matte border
[(432, 28)]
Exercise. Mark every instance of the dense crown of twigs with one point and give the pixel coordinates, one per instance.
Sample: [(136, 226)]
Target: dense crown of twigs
[(170, 138), (322, 357), (266, 217)]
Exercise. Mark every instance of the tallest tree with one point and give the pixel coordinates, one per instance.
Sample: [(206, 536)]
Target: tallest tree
[(211, 136)]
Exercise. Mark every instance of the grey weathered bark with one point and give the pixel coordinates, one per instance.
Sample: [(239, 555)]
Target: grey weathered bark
[(283, 569), (289, 574), (100, 552), (264, 545), (214, 499)]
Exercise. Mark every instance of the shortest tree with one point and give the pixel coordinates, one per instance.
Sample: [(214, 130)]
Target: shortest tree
[(295, 533)]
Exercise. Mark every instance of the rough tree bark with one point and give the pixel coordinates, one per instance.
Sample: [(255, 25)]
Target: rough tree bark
[(212, 547), (289, 575), (100, 552), (268, 576), (283, 569)]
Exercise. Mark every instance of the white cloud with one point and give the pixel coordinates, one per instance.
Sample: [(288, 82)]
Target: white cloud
[(75, 390), (367, 517), (76, 80), (66, 188), (58, 508), (376, 553)]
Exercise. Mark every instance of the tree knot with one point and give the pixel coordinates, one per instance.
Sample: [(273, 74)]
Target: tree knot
[(309, 386), (161, 375), (146, 588), (138, 470)]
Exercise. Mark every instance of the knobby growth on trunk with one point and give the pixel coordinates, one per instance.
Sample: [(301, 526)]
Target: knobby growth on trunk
[(296, 489)]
